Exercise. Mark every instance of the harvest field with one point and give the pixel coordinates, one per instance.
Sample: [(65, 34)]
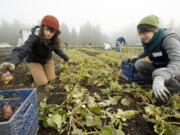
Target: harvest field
[(90, 98)]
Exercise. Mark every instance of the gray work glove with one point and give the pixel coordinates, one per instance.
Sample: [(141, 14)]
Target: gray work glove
[(159, 89), (7, 66)]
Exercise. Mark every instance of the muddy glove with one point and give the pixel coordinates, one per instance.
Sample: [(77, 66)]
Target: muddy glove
[(159, 89), (71, 62), (6, 66), (7, 77)]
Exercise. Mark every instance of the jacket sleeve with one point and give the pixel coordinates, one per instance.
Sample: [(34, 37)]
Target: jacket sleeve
[(172, 46), (18, 54), (141, 55), (61, 54)]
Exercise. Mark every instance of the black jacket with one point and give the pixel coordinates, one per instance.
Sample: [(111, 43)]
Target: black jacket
[(34, 51)]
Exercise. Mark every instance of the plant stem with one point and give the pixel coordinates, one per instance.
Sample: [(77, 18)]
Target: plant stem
[(70, 120), (176, 123)]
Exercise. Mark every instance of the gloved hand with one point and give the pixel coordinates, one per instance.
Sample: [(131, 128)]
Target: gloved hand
[(133, 59), (5, 66), (159, 89), (7, 77)]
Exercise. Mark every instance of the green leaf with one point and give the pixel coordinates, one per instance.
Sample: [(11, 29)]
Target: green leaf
[(126, 101), (119, 132), (93, 121), (55, 121), (95, 109), (107, 131), (152, 110), (110, 101), (76, 131), (177, 114), (92, 105), (125, 115)]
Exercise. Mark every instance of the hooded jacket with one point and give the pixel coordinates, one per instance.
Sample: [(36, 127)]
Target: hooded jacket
[(168, 53), (35, 51)]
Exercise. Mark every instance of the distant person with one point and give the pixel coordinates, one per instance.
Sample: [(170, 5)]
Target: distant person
[(107, 46), (37, 51), (162, 46), (120, 42), (66, 44), (89, 43)]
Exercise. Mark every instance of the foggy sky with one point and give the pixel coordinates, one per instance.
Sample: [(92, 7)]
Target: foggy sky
[(110, 15)]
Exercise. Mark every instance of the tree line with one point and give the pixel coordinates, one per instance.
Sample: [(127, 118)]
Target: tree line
[(88, 34)]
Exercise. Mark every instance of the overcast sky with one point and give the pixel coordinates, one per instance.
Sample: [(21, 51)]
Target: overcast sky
[(111, 15)]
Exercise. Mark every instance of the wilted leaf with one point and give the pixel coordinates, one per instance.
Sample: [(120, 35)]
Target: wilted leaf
[(93, 121), (126, 101), (92, 105), (110, 101), (125, 115), (152, 110), (55, 121), (76, 131)]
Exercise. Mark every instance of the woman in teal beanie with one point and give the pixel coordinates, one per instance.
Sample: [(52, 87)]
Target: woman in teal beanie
[(162, 46)]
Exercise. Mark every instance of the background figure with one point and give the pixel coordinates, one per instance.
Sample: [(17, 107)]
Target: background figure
[(120, 42), (66, 44), (107, 46)]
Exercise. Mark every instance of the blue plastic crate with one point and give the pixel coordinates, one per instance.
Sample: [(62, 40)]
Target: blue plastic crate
[(129, 72), (25, 120)]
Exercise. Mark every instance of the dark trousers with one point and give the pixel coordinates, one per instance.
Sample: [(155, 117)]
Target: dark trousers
[(146, 68)]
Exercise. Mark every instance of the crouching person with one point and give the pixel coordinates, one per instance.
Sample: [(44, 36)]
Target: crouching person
[(37, 51), (162, 46)]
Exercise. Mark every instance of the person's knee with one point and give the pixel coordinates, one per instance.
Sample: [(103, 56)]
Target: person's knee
[(178, 78), (173, 85), (50, 74), (139, 65), (51, 78), (41, 82)]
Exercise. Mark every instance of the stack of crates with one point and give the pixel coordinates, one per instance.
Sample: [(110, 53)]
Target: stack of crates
[(129, 73), (25, 120)]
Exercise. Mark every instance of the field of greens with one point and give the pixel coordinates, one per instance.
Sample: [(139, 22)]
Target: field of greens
[(90, 98)]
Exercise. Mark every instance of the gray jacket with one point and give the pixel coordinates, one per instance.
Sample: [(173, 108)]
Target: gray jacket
[(171, 44)]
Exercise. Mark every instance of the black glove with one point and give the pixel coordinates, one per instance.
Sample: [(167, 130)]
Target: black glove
[(133, 59)]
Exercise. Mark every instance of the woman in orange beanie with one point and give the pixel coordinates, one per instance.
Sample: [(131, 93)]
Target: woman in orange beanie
[(37, 50)]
